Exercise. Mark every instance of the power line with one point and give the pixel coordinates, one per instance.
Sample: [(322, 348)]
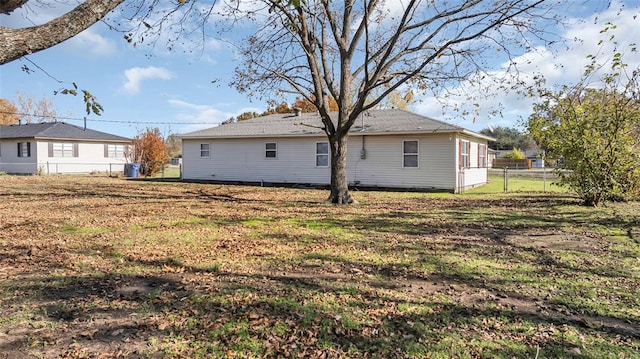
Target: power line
[(109, 121)]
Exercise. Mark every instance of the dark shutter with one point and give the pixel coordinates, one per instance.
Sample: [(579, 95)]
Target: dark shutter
[(19, 149), (28, 149), (75, 150), (106, 150), (460, 165), (50, 149)]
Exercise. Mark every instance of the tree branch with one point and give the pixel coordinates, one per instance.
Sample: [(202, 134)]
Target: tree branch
[(15, 43)]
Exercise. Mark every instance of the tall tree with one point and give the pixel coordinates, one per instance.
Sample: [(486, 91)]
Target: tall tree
[(507, 138), (8, 112), (174, 146), (308, 106), (150, 150), (358, 52), (36, 111)]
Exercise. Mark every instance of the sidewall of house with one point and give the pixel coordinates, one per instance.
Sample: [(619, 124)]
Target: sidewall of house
[(244, 160), (474, 175), (381, 165), (11, 163), (91, 158)]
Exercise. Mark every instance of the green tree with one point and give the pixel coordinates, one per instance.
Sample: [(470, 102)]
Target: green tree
[(515, 154), (358, 52), (174, 146), (507, 138), (594, 134)]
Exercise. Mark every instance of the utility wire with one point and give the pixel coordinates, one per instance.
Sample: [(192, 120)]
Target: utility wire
[(110, 121)]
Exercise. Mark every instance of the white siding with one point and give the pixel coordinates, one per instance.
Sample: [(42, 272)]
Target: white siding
[(11, 163), (383, 166), (90, 158), (244, 160), (473, 176)]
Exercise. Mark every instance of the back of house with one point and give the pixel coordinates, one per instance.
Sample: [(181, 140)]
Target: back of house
[(58, 147), (387, 149)]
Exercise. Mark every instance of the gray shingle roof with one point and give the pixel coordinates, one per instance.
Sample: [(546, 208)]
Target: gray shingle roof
[(57, 131), (308, 124)]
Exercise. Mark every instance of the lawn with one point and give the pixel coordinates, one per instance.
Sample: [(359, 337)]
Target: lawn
[(98, 267)]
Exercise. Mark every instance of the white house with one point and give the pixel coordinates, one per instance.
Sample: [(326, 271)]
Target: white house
[(58, 147), (387, 148)]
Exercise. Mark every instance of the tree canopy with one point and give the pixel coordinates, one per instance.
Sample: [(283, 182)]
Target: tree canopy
[(8, 112), (507, 138), (594, 132), (150, 150), (358, 52)]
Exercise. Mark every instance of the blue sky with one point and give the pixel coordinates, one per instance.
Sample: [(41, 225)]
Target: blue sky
[(142, 87)]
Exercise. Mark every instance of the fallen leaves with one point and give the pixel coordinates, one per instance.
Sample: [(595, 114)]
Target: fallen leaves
[(110, 268)]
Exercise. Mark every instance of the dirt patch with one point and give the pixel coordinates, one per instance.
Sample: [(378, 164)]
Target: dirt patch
[(558, 241)]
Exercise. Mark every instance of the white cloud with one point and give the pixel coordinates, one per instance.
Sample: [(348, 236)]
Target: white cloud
[(198, 117), (93, 43), (137, 74), (564, 66)]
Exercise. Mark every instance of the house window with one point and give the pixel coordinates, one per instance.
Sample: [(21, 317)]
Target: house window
[(24, 149), (270, 150), (205, 150), (410, 154), (482, 155), (465, 146), (322, 154), (61, 150), (114, 151)]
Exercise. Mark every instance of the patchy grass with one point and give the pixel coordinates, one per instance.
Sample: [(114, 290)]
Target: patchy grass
[(105, 267), (520, 181)]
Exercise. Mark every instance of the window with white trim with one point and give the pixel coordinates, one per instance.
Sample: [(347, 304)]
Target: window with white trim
[(270, 150), (61, 149), (24, 149), (465, 147), (115, 151), (482, 155), (322, 154), (410, 154), (205, 150)]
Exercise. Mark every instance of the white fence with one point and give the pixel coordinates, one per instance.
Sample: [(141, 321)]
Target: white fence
[(52, 168)]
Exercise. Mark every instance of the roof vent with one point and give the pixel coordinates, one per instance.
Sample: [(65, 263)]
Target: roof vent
[(297, 111)]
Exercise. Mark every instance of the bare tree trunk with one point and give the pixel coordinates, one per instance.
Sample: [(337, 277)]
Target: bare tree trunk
[(339, 185)]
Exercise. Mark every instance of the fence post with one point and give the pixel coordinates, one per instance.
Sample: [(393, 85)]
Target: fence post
[(544, 172), (506, 178)]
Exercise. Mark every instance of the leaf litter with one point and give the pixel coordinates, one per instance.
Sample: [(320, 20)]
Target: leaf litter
[(95, 267)]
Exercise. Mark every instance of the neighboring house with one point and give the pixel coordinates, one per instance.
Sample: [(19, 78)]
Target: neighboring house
[(387, 148), (58, 147), (491, 155)]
